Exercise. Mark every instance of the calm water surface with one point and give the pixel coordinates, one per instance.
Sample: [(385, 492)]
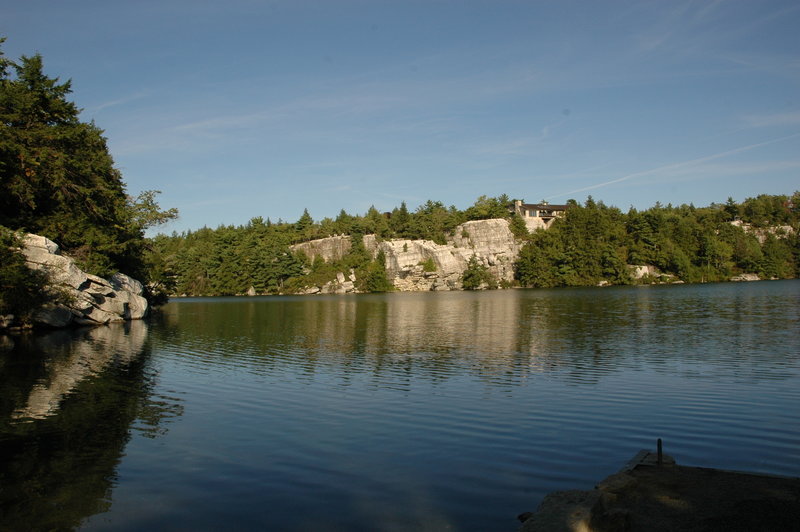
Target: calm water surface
[(422, 411)]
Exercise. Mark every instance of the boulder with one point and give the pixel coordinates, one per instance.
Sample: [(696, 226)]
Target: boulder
[(98, 285), (114, 303), (6, 321), (120, 281), (89, 299), (100, 316), (36, 241), (638, 271), (80, 301), (62, 270), (54, 315), (137, 307)]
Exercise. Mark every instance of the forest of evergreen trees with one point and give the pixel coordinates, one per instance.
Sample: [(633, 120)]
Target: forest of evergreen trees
[(591, 244), (595, 243)]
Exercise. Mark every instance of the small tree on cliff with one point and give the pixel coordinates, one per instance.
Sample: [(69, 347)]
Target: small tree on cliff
[(518, 228), (476, 275), (375, 276)]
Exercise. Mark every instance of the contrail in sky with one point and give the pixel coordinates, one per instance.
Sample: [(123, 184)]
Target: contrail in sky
[(677, 165)]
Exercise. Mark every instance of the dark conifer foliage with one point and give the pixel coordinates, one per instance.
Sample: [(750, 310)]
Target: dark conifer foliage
[(58, 179), (595, 243)]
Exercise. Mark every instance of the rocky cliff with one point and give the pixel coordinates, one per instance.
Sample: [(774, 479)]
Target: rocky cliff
[(761, 233), (422, 265), (331, 248), (89, 300)]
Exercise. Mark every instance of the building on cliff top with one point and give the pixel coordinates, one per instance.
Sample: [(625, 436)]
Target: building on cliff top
[(537, 215)]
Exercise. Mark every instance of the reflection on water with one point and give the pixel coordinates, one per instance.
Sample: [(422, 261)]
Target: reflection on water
[(69, 401), (69, 362), (584, 333), (423, 411)]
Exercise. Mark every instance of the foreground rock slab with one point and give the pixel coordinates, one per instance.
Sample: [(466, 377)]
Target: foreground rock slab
[(649, 497), (90, 300)]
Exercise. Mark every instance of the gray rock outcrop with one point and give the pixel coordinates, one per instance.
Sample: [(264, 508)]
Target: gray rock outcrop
[(422, 265), (331, 248), (85, 299)]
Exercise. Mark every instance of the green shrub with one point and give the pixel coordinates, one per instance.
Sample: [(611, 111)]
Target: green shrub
[(477, 275), (428, 265)]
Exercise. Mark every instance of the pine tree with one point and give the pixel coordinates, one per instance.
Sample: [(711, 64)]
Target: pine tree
[(58, 179)]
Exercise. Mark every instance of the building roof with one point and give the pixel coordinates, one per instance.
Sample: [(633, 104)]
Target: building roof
[(543, 206)]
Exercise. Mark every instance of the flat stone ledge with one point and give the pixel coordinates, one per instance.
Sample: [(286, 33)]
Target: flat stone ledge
[(648, 497)]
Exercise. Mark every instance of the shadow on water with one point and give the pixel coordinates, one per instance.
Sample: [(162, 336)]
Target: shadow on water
[(69, 400)]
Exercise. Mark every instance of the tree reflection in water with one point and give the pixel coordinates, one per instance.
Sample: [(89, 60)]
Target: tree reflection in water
[(68, 402)]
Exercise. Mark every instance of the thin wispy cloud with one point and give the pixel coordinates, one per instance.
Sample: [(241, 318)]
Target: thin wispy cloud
[(676, 166), (754, 169), (219, 123), (119, 101), (774, 119)]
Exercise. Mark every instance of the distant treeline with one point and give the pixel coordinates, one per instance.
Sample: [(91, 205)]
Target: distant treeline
[(592, 243)]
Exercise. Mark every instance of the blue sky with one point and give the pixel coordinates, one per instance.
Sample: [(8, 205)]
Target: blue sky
[(249, 108)]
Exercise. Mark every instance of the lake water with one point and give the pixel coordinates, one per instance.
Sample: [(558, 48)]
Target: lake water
[(412, 411)]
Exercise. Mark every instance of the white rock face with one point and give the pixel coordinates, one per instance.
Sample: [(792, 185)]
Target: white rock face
[(490, 241), (537, 223), (638, 271), (331, 248), (746, 277), (91, 299)]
